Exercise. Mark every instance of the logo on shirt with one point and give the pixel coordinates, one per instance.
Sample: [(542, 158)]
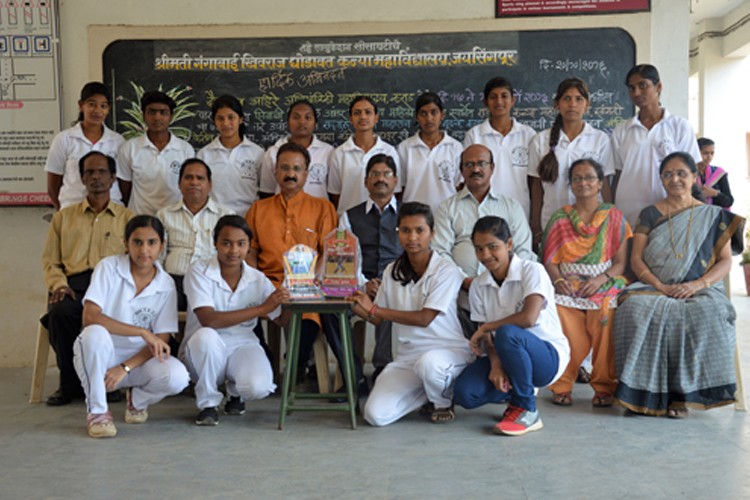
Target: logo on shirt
[(251, 322), (594, 155), (665, 147), (520, 156), (446, 170), (316, 174), (249, 170), (144, 317), (175, 167)]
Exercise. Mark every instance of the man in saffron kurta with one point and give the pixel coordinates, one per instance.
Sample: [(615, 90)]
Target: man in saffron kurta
[(288, 218)]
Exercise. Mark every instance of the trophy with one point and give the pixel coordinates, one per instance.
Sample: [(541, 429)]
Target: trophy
[(299, 273), (341, 262)]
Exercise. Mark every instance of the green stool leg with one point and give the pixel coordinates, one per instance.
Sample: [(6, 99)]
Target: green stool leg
[(290, 370), (348, 371)]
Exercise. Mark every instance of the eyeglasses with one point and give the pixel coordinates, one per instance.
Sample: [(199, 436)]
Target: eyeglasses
[(577, 179), (297, 169), (374, 174), (481, 164), (682, 174)]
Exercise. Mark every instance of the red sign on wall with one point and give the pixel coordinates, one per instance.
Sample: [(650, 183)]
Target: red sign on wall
[(507, 8)]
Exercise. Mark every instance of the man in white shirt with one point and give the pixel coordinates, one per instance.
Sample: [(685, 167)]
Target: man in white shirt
[(189, 223), (148, 166), (457, 215), (346, 173)]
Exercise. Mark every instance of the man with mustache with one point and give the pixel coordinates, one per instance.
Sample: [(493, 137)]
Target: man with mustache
[(374, 223), (79, 237), (289, 218), (189, 223), (457, 215)]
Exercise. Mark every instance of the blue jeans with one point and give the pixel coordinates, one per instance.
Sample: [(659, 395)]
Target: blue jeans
[(527, 360)]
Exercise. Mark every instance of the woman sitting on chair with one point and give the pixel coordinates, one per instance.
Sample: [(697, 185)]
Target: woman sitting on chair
[(674, 329)]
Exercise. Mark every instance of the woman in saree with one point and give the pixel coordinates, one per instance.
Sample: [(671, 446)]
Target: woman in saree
[(585, 251), (674, 329), (713, 180)]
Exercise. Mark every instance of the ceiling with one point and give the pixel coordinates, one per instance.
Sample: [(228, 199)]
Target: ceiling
[(701, 10)]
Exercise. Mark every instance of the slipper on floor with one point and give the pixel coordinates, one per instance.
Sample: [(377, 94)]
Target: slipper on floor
[(677, 413), (562, 398), (602, 400), (442, 415)]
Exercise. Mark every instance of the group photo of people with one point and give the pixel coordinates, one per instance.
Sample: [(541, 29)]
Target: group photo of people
[(499, 270)]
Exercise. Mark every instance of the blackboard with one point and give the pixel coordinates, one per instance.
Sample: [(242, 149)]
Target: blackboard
[(267, 74)]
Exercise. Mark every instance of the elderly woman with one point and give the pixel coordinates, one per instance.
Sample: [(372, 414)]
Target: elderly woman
[(674, 329), (585, 251)]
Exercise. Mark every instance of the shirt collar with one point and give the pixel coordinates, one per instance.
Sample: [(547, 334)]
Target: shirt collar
[(369, 204), (162, 282), (213, 272), (514, 274), (111, 206)]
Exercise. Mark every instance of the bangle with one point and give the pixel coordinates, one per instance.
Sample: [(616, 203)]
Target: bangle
[(643, 274), (371, 314), (706, 283), (605, 273), (558, 280)]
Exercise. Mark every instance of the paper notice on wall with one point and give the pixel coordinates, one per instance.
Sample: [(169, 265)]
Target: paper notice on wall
[(29, 98)]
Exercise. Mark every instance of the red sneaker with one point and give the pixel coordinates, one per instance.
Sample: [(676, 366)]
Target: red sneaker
[(518, 421)]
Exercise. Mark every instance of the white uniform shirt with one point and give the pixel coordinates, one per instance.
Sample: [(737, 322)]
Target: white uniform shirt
[(317, 172), (511, 155), (490, 302), (154, 174), (346, 173), (205, 287), (189, 237), (437, 289), (590, 143), (67, 148), (429, 175), (638, 153), (112, 288), (235, 173)]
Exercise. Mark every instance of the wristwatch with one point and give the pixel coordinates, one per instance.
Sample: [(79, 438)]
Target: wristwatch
[(125, 367)]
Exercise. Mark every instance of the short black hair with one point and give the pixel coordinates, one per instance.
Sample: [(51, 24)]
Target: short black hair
[(111, 163), (157, 97), (362, 98), (232, 221), (190, 161), (380, 158), (293, 147)]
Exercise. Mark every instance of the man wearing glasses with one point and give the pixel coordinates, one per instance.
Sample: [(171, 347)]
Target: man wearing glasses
[(457, 215), (374, 222)]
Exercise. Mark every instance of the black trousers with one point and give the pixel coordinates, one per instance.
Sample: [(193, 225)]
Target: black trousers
[(63, 321), (332, 331)]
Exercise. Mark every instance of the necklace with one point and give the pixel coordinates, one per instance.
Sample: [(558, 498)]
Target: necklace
[(680, 255)]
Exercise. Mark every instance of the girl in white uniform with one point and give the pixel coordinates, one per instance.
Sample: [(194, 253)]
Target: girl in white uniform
[(641, 143), (552, 151), (301, 120), (234, 159), (129, 312), (514, 303), (226, 298), (418, 294), (430, 158), (64, 183), (508, 140)]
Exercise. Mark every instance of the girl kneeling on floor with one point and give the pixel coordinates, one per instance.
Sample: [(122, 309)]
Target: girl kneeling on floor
[(514, 302), (419, 295), (129, 312)]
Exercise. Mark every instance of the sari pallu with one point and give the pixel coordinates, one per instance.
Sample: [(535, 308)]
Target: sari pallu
[(677, 352), (583, 250), (712, 178)]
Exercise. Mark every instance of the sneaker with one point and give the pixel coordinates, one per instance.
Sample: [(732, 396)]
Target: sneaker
[(208, 416), (133, 415), (518, 421), (100, 425), (234, 406)]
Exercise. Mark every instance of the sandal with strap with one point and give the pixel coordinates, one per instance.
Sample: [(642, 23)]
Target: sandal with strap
[(442, 415), (427, 409), (562, 398), (602, 400)]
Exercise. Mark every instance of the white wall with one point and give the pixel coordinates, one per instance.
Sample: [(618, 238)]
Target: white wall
[(86, 26)]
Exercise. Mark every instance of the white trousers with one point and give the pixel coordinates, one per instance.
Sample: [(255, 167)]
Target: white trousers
[(242, 363), (94, 353), (407, 384)]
